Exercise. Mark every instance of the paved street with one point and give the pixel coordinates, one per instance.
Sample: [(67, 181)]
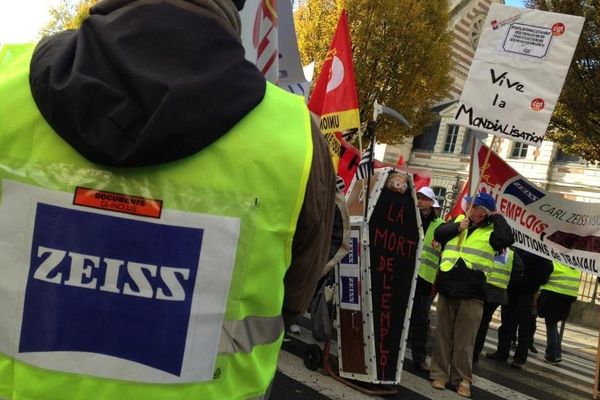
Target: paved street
[(572, 379)]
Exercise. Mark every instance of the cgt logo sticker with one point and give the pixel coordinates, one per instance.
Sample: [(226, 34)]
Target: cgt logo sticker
[(110, 285)]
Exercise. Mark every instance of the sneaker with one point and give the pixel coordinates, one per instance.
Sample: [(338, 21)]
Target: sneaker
[(438, 384), (533, 349), (517, 364), (464, 388), (496, 356), (553, 360)]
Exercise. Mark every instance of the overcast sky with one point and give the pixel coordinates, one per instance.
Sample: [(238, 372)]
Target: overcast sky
[(22, 20)]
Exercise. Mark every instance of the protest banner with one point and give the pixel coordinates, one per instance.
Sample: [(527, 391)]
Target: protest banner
[(270, 42), (291, 73), (518, 72), (260, 36), (543, 223)]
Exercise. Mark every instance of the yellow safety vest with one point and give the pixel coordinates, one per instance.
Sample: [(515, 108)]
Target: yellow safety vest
[(476, 250), (501, 269), (564, 280), (430, 257), (154, 283)]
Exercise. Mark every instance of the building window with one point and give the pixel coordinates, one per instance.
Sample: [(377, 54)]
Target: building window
[(563, 158), (451, 139), (519, 150), (440, 193), (426, 140), (475, 29), (466, 146)]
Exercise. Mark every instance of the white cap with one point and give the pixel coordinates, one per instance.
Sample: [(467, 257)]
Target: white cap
[(436, 204), (428, 192)]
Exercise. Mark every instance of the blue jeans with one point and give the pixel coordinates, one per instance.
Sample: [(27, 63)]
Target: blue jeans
[(553, 348)]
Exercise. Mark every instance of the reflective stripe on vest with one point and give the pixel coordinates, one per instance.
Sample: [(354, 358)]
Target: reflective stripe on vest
[(430, 257), (564, 280), (32, 155), (501, 270), (242, 336), (476, 250)]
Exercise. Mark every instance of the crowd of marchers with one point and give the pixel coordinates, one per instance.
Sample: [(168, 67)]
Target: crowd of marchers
[(470, 265)]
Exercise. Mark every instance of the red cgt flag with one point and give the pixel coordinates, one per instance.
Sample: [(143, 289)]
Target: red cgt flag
[(334, 97), (459, 206)]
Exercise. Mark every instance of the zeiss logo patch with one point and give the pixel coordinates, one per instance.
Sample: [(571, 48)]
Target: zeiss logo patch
[(523, 191), (352, 256), (349, 289), (110, 285)]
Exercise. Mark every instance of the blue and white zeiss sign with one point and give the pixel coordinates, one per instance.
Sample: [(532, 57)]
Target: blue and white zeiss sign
[(102, 277), (116, 296)]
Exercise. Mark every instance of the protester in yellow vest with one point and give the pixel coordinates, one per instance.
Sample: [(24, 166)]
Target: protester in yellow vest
[(470, 245), (495, 293), (163, 209), (430, 258), (554, 305), (525, 281)]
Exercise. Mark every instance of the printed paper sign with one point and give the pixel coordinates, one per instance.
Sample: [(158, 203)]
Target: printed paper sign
[(518, 72), (528, 40)]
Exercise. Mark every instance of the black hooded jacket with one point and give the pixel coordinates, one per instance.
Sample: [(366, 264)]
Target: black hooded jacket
[(145, 82), (127, 90)]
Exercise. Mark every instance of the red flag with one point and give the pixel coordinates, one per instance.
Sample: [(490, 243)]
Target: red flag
[(334, 97), (350, 158), (400, 161)]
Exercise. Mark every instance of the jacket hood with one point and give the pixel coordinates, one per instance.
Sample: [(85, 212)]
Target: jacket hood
[(151, 82)]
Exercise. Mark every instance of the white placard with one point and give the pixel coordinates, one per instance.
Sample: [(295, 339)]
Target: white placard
[(518, 71)]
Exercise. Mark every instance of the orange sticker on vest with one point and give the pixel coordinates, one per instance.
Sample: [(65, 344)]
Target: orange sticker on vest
[(118, 202)]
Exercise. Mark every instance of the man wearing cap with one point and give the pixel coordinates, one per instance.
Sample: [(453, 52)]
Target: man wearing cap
[(470, 244), (430, 258)]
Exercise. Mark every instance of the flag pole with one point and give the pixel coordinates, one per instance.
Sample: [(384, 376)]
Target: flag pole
[(481, 172), (371, 134), (597, 372), (363, 190)]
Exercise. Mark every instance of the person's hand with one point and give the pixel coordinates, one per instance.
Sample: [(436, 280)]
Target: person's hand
[(463, 224)]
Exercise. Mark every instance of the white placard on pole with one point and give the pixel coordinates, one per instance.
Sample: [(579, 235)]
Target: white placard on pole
[(518, 72)]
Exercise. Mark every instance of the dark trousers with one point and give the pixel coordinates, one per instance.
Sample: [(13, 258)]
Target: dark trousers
[(533, 329), (419, 326), (486, 318), (516, 313), (553, 345)]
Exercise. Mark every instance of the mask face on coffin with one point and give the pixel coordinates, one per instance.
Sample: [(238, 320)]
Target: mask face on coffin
[(397, 182)]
